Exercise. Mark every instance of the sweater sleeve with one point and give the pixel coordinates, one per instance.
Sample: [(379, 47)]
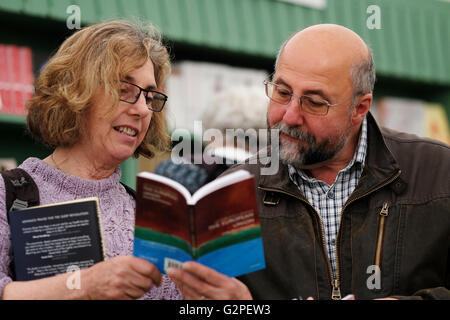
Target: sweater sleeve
[(5, 241)]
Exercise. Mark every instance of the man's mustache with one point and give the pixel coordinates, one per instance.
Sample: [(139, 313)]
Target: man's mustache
[(295, 132)]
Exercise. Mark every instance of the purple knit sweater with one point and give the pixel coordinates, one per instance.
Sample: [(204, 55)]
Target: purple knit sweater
[(117, 214)]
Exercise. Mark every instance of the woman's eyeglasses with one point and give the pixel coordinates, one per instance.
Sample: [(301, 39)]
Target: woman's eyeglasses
[(130, 93)]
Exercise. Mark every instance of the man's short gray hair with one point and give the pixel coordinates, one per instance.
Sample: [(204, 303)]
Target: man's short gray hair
[(280, 51), (362, 75)]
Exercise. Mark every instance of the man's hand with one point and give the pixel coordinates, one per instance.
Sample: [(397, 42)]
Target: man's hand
[(198, 282)]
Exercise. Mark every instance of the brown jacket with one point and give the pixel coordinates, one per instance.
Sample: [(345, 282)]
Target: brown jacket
[(397, 219)]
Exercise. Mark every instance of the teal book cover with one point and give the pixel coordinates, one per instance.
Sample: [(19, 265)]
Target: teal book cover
[(217, 226)]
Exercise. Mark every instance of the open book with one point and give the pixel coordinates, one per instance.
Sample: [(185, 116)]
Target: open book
[(217, 226), (56, 238)]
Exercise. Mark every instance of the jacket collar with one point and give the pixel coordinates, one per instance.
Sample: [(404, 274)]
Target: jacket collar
[(380, 167)]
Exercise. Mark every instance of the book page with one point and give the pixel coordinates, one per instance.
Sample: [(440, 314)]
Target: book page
[(219, 183), (172, 183)]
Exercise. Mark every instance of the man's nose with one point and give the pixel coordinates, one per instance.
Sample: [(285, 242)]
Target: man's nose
[(293, 115)]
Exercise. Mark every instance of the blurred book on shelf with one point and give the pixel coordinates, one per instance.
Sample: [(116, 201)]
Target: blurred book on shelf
[(413, 116), (7, 164), (192, 85), (16, 78), (436, 123)]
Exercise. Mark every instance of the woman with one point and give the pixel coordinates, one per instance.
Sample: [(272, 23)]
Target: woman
[(97, 103)]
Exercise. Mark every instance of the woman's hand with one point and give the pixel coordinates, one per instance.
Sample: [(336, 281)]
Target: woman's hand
[(123, 277), (197, 282)]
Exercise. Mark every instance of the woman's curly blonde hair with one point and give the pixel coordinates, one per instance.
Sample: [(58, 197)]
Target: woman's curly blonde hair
[(98, 56)]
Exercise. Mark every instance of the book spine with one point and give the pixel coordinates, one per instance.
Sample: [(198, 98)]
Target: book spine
[(193, 231), (14, 92), (7, 94), (3, 77), (100, 228), (25, 78)]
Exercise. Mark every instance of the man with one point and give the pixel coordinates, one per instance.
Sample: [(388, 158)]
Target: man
[(354, 209)]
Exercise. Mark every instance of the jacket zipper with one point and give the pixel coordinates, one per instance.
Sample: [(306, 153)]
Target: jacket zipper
[(338, 264), (384, 212), (335, 282)]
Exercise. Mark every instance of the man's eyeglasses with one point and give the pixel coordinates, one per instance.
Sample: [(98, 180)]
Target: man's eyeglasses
[(130, 93), (282, 95)]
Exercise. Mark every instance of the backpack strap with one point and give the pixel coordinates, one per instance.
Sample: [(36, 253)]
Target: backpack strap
[(21, 190), (130, 190)]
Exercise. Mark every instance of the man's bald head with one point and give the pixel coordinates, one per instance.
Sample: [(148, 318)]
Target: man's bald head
[(322, 43)]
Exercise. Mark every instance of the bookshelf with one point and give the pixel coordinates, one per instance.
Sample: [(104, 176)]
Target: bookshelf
[(12, 119), (15, 142)]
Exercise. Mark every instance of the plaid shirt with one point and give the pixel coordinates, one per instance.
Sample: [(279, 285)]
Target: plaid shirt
[(329, 200)]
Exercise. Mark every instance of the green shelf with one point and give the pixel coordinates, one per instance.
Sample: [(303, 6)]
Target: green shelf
[(12, 119)]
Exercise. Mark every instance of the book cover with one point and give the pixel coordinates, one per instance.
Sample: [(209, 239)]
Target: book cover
[(53, 239), (217, 226)]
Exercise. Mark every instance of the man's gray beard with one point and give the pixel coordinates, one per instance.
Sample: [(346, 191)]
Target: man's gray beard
[(299, 155)]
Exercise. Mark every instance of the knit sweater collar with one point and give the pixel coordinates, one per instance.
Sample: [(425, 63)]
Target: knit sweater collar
[(73, 184)]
